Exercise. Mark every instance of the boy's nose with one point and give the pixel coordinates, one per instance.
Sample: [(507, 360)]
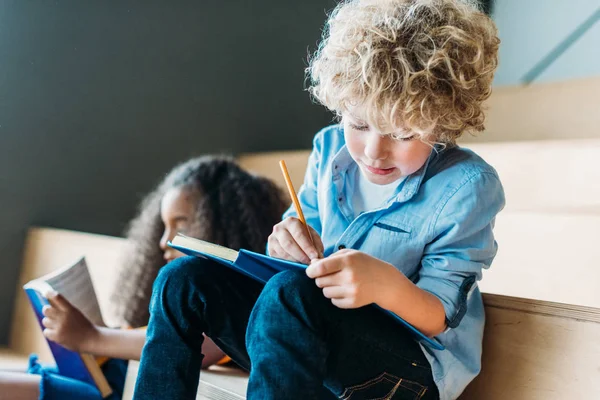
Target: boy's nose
[(375, 146)]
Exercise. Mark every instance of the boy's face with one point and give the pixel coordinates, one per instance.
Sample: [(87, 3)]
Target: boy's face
[(381, 158)]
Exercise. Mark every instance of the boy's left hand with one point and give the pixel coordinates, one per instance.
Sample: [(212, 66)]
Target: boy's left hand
[(351, 278)]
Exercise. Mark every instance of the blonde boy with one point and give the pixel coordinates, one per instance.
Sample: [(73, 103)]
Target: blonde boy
[(402, 217)]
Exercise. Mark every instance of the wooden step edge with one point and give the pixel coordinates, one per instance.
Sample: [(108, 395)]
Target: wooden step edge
[(210, 391), (541, 307)]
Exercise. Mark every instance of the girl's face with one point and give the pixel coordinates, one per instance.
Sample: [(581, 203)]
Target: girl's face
[(381, 158), (177, 209)]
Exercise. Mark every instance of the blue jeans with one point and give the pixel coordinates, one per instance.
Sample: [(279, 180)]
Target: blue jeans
[(294, 342)]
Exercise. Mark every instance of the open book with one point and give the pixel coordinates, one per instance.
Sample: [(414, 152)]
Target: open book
[(262, 267), (74, 284)]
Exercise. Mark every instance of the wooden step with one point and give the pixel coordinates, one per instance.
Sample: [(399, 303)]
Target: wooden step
[(216, 383), (533, 350), (538, 350), (13, 361)]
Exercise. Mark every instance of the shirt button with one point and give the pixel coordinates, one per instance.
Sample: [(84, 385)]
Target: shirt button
[(339, 199), (341, 247)]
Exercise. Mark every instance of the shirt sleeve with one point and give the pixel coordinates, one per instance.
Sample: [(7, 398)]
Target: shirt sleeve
[(308, 192), (463, 243)]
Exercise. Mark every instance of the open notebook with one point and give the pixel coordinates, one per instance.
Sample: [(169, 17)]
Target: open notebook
[(262, 267)]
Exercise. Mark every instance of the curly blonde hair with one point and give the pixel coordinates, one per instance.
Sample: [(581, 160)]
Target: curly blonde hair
[(423, 66)]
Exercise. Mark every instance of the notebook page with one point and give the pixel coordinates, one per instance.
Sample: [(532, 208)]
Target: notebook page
[(75, 284)]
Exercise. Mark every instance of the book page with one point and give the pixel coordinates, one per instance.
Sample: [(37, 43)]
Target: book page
[(75, 284), (204, 247)]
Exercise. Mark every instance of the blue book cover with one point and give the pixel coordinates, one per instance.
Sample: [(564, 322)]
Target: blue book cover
[(74, 283), (262, 267)]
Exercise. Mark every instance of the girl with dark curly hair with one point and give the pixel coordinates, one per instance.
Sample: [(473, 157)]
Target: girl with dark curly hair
[(209, 197)]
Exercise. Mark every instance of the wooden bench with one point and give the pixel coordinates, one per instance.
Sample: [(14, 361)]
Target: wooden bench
[(532, 349)]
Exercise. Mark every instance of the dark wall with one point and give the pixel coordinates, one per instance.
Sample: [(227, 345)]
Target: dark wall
[(99, 99)]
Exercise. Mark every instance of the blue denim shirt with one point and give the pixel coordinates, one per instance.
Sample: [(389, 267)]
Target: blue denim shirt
[(436, 229)]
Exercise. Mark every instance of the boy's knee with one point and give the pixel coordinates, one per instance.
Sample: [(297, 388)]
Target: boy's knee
[(185, 277), (289, 293), (288, 296), (177, 271), (289, 286)]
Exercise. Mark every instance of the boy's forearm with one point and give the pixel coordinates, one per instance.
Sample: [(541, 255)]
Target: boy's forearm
[(117, 343), (416, 306)]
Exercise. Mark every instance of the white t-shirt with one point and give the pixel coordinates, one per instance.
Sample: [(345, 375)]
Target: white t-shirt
[(368, 196)]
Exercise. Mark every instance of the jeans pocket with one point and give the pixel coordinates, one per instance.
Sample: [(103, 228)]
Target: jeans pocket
[(385, 387)]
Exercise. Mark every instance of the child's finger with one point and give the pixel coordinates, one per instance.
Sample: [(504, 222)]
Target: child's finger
[(317, 241), (327, 280), (59, 301), (333, 292), (48, 323), (289, 244), (49, 311), (49, 334), (280, 251), (342, 302), (54, 300), (323, 267), (275, 250), (300, 236)]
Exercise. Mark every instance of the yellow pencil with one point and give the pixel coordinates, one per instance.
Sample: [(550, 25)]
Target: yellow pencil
[(290, 187)]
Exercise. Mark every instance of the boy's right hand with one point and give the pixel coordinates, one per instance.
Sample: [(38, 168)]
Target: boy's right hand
[(290, 241), (66, 325)]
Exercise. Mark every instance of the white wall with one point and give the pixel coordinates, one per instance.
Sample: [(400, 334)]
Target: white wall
[(530, 29)]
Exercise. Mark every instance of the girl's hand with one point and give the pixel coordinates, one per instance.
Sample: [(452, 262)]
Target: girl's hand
[(66, 325), (290, 241), (352, 279)]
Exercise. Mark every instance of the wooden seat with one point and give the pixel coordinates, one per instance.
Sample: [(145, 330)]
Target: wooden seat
[(533, 349)]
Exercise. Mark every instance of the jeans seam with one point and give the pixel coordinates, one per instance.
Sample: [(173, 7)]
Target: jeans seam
[(385, 376), (363, 385), (411, 389)]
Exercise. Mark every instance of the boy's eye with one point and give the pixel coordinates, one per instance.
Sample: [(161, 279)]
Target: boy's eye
[(408, 139), (359, 127)]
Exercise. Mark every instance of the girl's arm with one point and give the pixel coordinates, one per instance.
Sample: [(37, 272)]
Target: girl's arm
[(125, 344), (128, 344), (67, 326)]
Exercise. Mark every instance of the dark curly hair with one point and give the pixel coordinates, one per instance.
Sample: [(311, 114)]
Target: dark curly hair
[(234, 209)]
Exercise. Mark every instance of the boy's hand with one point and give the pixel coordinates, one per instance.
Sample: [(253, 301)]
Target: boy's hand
[(352, 279), (290, 241), (66, 325)]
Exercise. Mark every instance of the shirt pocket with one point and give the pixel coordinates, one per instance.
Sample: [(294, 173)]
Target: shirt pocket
[(392, 228)]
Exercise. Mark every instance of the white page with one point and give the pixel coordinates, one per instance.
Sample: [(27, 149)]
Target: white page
[(75, 284)]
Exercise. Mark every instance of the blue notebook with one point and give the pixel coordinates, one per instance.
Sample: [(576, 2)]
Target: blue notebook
[(75, 284), (262, 267)]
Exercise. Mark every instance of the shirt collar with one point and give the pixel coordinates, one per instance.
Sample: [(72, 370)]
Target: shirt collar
[(343, 160)]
